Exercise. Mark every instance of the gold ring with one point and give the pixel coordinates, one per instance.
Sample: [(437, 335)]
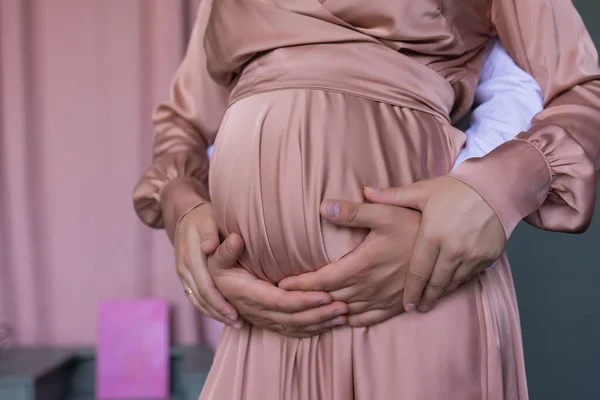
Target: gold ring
[(188, 291)]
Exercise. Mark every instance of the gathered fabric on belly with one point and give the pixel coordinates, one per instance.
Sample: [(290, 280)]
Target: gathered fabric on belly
[(277, 155)]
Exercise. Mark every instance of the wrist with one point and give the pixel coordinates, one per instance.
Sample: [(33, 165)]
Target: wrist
[(179, 197), (514, 180)]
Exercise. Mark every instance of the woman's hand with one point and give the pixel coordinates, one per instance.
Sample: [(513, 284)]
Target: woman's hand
[(221, 288), (370, 279), (459, 237), (262, 304), (195, 237)]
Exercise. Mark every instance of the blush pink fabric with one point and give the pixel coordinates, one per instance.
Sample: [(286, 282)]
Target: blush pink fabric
[(132, 356), (78, 83), (317, 99)]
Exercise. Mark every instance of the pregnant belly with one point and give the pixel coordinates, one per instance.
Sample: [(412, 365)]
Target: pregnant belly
[(279, 154)]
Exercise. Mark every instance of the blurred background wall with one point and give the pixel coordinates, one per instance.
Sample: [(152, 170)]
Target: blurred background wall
[(78, 82)]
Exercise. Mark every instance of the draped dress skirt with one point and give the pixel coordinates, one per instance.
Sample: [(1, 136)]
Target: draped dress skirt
[(277, 155)]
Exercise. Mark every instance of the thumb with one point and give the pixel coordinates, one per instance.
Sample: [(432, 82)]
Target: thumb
[(412, 196), (228, 253), (206, 225)]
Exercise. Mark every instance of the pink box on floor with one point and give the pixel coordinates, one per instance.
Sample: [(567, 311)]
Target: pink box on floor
[(132, 357)]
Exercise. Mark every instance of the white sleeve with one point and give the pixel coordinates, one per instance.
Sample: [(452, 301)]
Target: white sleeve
[(508, 99)]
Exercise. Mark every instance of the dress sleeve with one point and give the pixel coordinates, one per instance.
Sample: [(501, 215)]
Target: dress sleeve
[(185, 128), (547, 173), (507, 99)]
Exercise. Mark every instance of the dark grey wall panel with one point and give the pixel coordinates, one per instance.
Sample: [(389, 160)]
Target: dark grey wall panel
[(558, 286)]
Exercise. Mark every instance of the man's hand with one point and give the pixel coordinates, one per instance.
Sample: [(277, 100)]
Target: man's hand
[(371, 278), (260, 303), (460, 236)]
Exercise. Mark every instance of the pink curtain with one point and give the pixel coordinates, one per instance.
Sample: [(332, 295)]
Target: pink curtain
[(78, 83)]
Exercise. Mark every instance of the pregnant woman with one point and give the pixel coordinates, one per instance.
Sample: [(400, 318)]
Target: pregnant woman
[(312, 100)]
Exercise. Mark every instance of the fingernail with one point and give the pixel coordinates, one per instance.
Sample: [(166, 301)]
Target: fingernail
[(410, 307), (237, 325), (228, 244), (324, 302), (231, 317), (206, 240), (337, 321), (371, 190), (423, 308), (338, 312), (332, 208)]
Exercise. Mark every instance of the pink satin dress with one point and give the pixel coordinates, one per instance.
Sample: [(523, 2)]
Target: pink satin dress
[(307, 100)]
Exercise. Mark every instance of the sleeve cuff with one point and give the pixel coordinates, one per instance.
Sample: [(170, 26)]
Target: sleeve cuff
[(179, 197), (514, 180)]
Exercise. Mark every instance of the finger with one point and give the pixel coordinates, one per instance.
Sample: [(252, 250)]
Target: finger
[(372, 317), (316, 329), (272, 298), (441, 277), (467, 271), (313, 281), (351, 294), (205, 309), (332, 277), (309, 321), (359, 307), (196, 300), (227, 254), (357, 215), (193, 299), (199, 302), (197, 265), (461, 275), (452, 286), (310, 317), (211, 295), (421, 265), (206, 226), (413, 196), (312, 330), (198, 306)]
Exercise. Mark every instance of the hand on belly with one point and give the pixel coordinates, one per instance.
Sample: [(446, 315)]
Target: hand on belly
[(371, 278), (279, 154)]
